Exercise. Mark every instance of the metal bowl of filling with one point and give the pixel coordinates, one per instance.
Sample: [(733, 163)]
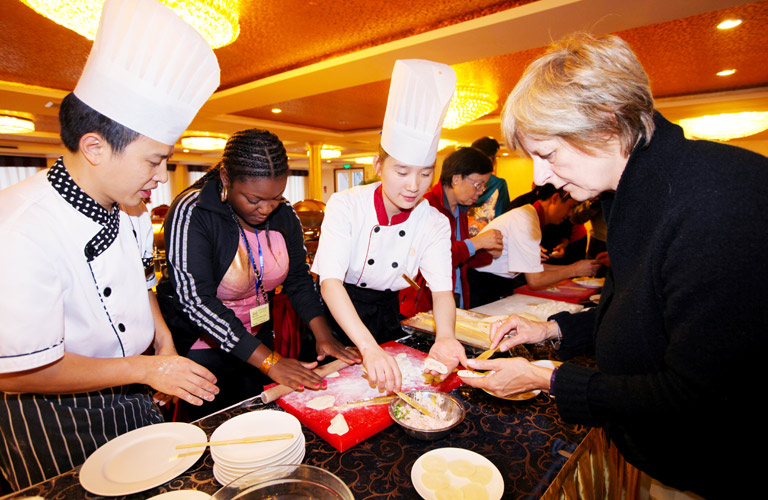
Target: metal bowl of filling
[(447, 413)]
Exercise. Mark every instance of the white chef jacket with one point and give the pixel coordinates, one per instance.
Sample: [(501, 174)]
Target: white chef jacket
[(51, 300), (521, 231), (361, 246)]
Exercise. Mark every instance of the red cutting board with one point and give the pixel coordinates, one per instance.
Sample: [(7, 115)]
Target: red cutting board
[(566, 290), (349, 386)]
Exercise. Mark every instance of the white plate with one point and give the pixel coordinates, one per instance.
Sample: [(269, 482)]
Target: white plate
[(590, 282), (225, 476), (181, 495), (495, 488), (140, 459), (288, 458), (255, 423)]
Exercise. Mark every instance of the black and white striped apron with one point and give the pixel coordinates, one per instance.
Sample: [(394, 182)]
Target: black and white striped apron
[(46, 435)]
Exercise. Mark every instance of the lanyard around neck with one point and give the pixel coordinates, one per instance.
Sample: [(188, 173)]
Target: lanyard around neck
[(258, 272)]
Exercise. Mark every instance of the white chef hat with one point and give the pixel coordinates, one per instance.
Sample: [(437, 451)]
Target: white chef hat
[(419, 95), (148, 69)]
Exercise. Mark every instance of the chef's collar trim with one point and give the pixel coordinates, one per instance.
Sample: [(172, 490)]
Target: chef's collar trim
[(63, 183), (381, 210)]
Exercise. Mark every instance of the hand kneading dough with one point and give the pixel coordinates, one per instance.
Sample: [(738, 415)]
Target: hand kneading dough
[(321, 402), (338, 425), (470, 374), (474, 491), (434, 463), (461, 468), (433, 364)]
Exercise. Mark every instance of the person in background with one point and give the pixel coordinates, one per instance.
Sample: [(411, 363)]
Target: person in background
[(564, 242), (376, 237), (76, 302), (232, 239), (463, 177), (522, 259), (494, 200), (681, 323), (592, 211)]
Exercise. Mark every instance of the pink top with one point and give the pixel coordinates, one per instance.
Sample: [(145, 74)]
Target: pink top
[(237, 289)]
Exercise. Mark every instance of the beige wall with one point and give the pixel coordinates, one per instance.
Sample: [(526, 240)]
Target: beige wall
[(518, 172)]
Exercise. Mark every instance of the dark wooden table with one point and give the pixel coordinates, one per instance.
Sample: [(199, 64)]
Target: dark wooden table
[(526, 440)]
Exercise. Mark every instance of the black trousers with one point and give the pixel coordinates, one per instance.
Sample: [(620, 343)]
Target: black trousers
[(236, 380), (488, 287)]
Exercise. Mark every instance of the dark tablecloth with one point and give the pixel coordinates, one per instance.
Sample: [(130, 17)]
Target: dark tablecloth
[(526, 440)]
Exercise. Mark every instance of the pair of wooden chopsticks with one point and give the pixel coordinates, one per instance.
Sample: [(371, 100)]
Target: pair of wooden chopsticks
[(405, 397), (381, 400), (246, 440)]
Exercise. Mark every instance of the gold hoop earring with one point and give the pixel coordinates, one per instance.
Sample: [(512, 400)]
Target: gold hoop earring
[(224, 194)]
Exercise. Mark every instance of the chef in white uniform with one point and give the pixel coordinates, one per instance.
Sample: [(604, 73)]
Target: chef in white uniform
[(374, 235), (77, 308)]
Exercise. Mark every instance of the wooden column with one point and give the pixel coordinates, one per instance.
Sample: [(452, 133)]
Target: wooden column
[(315, 171)]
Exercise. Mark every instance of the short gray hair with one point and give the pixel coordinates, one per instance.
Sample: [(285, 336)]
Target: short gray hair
[(584, 89)]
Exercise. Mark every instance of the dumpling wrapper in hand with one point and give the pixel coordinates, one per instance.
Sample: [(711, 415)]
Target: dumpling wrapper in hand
[(433, 364)]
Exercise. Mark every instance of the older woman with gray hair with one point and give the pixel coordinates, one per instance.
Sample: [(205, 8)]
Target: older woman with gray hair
[(682, 318)]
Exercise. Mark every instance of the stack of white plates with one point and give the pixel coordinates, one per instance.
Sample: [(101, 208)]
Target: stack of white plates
[(234, 460)]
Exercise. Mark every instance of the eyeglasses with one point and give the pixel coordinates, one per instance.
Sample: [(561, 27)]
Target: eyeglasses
[(478, 185)]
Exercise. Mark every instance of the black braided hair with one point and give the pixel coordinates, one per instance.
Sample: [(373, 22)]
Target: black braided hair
[(250, 153)]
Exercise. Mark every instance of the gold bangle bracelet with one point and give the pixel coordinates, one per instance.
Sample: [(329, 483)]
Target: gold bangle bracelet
[(269, 362)]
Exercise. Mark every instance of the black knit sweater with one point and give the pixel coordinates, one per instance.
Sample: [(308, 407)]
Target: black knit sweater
[(683, 319)]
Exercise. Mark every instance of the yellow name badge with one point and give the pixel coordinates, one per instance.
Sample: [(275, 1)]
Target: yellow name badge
[(259, 314)]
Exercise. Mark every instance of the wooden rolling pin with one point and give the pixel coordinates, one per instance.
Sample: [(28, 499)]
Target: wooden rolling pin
[(280, 390)]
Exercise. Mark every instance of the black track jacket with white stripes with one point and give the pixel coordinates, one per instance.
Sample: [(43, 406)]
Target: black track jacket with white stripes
[(201, 239)]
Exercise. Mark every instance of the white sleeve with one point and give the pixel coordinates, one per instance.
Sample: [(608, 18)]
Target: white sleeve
[(523, 236), (32, 305), (335, 246), (435, 263)]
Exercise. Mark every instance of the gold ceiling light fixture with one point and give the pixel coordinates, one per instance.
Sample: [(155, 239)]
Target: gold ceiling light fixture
[(728, 24), (16, 122), (216, 20), (364, 160), (203, 141), (444, 143), (328, 152), (468, 104), (726, 126)]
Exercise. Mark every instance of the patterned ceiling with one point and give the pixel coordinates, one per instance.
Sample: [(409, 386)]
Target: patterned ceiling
[(326, 63)]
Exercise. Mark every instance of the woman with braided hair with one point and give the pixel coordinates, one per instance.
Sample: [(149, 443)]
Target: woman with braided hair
[(231, 239)]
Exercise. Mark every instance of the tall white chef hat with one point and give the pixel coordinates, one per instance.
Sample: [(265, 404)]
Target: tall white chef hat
[(148, 69), (419, 95)]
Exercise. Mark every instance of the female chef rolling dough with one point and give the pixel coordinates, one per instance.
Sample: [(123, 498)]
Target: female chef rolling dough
[(373, 235)]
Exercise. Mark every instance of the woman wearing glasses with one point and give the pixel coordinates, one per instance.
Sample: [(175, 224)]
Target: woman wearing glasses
[(462, 180), (231, 240)]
